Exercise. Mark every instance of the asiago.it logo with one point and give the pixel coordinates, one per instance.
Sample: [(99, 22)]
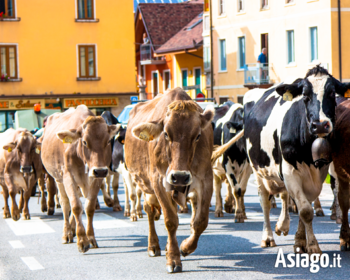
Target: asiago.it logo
[(313, 261)]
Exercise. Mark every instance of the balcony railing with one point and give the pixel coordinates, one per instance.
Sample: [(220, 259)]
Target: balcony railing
[(147, 57), (256, 74)]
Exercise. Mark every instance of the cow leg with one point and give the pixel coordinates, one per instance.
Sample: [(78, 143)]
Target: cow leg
[(106, 197), (67, 236), (292, 206), (151, 210), (344, 206), (41, 184), (200, 203), (21, 201), (132, 196), (127, 204), (5, 193), (130, 193), (26, 195), (115, 186), (57, 199), (283, 220), (97, 205), (13, 191), (218, 202), (229, 200), (51, 192), (267, 238), (273, 202), (138, 202), (318, 207), (300, 238), (243, 186)]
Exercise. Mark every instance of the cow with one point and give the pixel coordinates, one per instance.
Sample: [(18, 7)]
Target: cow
[(233, 165), (168, 145), (76, 152), (20, 168), (279, 130), (118, 167)]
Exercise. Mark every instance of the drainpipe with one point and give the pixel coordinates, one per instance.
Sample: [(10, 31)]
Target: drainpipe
[(339, 42), (211, 51)]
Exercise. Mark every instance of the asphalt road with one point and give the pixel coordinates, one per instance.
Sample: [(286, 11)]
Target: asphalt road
[(33, 250)]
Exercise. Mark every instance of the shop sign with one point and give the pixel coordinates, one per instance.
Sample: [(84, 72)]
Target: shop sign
[(91, 102), (20, 104)]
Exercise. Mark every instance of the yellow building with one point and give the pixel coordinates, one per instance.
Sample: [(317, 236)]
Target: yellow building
[(59, 51), (298, 34)]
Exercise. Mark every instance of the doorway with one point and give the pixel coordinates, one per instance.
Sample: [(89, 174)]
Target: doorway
[(155, 83), (197, 79), (265, 44)]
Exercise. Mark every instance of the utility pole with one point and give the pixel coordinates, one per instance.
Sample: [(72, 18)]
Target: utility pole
[(211, 51), (339, 40)]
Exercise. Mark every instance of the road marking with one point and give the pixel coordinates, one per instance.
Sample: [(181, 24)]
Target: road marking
[(27, 227), (104, 221), (16, 244), (32, 263)]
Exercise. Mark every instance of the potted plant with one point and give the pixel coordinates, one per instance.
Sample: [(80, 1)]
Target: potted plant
[(4, 78), (2, 15)]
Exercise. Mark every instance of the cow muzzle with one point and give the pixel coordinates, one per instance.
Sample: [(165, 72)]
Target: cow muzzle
[(179, 178), (26, 169), (98, 172), (321, 128)]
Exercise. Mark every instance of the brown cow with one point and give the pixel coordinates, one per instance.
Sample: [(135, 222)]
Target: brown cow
[(20, 168), (168, 146), (76, 152)]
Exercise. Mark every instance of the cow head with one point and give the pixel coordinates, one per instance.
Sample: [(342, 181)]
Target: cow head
[(318, 91), (93, 144), (26, 146), (179, 132)]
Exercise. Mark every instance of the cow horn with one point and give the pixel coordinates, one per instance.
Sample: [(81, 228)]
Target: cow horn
[(221, 149)]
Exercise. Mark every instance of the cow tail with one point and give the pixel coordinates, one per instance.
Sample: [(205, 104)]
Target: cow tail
[(219, 150)]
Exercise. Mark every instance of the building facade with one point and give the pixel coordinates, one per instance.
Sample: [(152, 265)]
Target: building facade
[(297, 35), (64, 53)]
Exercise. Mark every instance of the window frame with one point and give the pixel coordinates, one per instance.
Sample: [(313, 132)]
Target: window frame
[(310, 40), (287, 40), (166, 71), (200, 79), (87, 61), (243, 6), (85, 12), (182, 80), (239, 53), (152, 83), (222, 8), (262, 6), (14, 9), (219, 49), (7, 46)]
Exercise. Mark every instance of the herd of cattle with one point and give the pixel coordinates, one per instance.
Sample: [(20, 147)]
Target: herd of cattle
[(290, 136)]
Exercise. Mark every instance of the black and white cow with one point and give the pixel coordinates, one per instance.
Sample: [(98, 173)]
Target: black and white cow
[(117, 168), (233, 165), (279, 135)]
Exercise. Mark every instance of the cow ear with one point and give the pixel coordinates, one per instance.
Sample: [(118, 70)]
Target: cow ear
[(120, 137), (234, 126), (147, 131), (10, 146), (68, 136), (290, 91), (37, 147), (207, 117), (342, 89), (113, 130)]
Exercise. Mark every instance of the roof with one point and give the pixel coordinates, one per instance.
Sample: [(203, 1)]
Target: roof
[(136, 2), (163, 21), (189, 37)]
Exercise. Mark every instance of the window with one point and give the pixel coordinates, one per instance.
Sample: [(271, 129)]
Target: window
[(184, 78), (206, 24), (264, 4), (166, 79), (206, 53), (85, 9), (155, 83), (7, 7), (221, 7), (197, 79), (222, 55), (290, 44), (240, 5), (314, 43), (240, 99), (87, 62), (241, 52), (289, 1), (223, 99), (8, 61)]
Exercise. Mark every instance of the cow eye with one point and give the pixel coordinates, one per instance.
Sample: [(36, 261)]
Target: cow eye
[(166, 136), (84, 143), (199, 136), (306, 99)]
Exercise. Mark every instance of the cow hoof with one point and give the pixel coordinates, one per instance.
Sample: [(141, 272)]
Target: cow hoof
[(274, 205), (93, 242), (173, 268), (245, 216), (43, 208), (219, 214), (133, 218), (319, 213), (83, 248), (279, 231), (16, 217), (7, 215), (126, 213), (228, 208), (109, 202), (183, 210), (344, 246), (300, 247), (139, 214), (290, 209), (184, 254), (117, 208), (58, 206), (295, 209), (313, 249), (51, 211), (157, 216), (333, 216), (97, 206), (339, 221), (268, 243), (26, 217), (239, 218), (67, 239), (154, 252)]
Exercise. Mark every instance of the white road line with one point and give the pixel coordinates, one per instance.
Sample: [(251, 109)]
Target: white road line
[(27, 227), (32, 263), (16, 244), (104, 221)]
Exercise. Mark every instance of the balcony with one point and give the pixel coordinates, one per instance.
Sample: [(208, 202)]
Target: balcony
[(257, 75), (147, 57)]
